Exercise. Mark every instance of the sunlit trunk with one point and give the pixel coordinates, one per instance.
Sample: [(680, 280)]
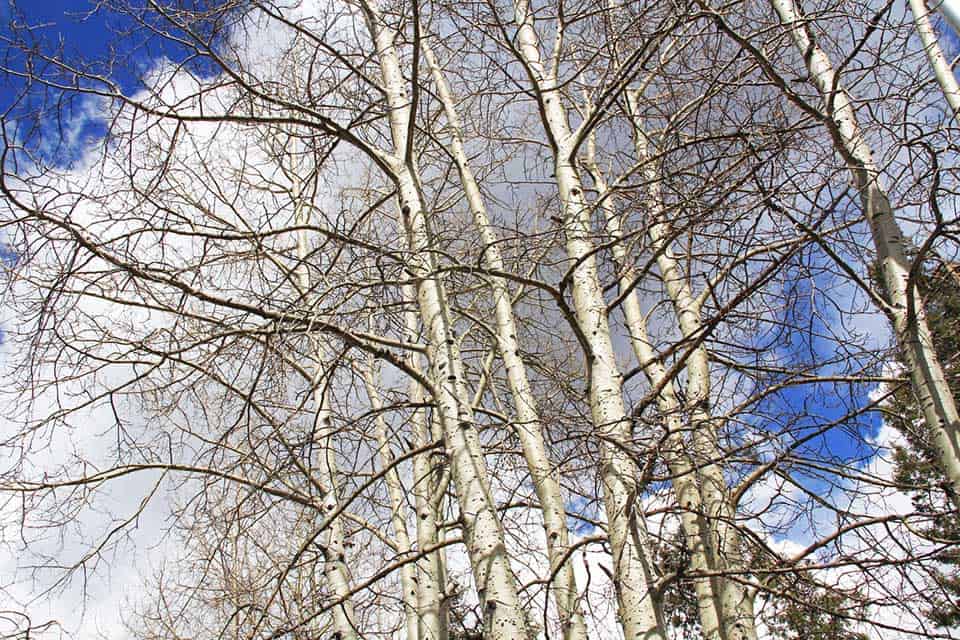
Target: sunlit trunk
[(428, 490), (634, 577), (335, 567), (529, 428), (483, 534), (905, 307), (938, 62), (695, 473), (696, 532), (408, 577), (723, 546)]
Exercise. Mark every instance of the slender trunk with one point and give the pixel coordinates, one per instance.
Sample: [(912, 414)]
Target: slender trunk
[(640, 613), (338, 577), (699, 529), (408, 578), (695, 530), (905, 306), (639, 610), (723, 547), (941, 67), (433, 623), (483, 534), (529, 427), (482, 529), (432, 610), (335, 567)]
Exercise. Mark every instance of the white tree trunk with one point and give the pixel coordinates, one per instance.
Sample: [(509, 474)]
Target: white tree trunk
[(433, 623), (941, 67), (691, 473), (529, 428), (950, 9), (640, 614), (408, 578), (905, 305), (335, 567), (484, 539), (483, 535), (338, 577), (696, 534), (634, 574), (737, 616)]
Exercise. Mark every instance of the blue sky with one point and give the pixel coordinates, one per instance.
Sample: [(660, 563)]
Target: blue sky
[(835, 342), (95, 37), (108, 44), (83, 36)]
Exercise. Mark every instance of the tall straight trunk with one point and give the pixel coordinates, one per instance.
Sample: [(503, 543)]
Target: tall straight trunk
[(905, 307), (483, 533), (695, 531), (640, 613), (335, 567), (408, 577), (723, 548), (338, 577), (938, 62), (691, 473), (432, 614), (529, 427)]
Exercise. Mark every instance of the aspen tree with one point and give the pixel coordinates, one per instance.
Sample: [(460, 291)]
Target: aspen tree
[(172, 267), (496, 584), (429, 487), (723, 547), (336, 572), (903, 304), (707, 517), (635, 579), (942, 69), (529, 428), (408, 577)]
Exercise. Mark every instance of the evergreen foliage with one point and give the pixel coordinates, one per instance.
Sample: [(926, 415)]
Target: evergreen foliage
[(918, 470)]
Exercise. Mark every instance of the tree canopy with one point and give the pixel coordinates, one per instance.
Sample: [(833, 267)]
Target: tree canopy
[(501, 319)]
